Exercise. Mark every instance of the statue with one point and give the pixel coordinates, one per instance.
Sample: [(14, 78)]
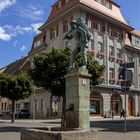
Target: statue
[(80, 32)]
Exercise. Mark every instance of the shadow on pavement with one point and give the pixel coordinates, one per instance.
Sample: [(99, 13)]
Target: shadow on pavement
[(10, 129), (116, 125)]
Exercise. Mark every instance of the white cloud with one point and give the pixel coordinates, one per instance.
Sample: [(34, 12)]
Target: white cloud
[(23, 48), (3, 35), (6, 3), (13, 31), (9, 31), (35, 27), (31, 12)]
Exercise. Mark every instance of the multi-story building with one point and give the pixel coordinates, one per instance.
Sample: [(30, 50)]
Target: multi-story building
[(114, 42)]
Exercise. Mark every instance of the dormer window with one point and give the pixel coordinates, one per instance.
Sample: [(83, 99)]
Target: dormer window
[(106, 3), (63, 2), (59, 4)]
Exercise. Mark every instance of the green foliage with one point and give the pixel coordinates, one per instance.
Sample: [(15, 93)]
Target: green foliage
[(49, 70), (15, 87), (95, 70)]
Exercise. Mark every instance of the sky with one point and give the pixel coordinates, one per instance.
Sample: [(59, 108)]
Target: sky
[(19, 20)]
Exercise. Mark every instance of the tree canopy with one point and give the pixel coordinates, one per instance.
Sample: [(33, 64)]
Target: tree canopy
[(15, 87), (49, 70)]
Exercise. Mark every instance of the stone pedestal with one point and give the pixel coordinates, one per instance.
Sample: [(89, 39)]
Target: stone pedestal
[(77, 93)]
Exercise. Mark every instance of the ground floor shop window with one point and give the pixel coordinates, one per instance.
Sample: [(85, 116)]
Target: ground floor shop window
[(130, 106), (116, 104), (96, 102)]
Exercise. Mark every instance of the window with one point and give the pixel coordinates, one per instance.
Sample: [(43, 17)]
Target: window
[(111, 51), (110, 31), (37, 43), (95, 23), (111, 73), (100, 47), (119, 54), (59, 4), (101, 26), (63, 2), (17, 106), (42, 105), (65, 25), (135, 41), (106, 3), (89, 21), (130, 59), (92, 44), (43, 40), (5, 106), (115, 32), (2, 106), (54, 32)]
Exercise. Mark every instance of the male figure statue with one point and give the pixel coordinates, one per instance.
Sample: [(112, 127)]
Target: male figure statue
[(80, 32)]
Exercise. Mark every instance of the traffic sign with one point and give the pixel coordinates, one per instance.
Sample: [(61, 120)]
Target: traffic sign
[(125, 89), (126, 83)]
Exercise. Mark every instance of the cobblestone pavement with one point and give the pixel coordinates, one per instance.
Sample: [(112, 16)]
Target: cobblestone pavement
[(107, 129)]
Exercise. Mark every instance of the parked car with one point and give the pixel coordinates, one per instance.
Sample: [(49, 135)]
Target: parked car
[(24, 114), (1, 115)]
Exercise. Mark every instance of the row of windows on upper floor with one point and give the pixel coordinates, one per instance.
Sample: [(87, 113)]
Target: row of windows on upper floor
[(118, 55), (93, 23)]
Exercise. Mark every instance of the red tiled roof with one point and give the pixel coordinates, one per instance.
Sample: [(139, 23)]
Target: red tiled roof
[(114, 13)]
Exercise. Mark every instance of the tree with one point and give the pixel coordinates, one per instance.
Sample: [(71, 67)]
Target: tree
[(49, 70), (15, 88)]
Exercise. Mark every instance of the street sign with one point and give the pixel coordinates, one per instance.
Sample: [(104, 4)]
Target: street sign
[(127, 65), (126, 83), (125, 74)]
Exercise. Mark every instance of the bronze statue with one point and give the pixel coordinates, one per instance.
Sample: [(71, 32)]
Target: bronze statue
[(80, 32)]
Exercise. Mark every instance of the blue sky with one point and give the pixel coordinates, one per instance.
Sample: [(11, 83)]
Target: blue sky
[(19, 20)]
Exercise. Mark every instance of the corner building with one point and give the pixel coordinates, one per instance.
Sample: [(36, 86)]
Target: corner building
[(114, 42)]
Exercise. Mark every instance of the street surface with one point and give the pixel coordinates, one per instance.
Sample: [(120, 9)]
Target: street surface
[(107, 129)]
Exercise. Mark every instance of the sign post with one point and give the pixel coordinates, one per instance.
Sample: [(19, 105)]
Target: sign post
[(126, 75)]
